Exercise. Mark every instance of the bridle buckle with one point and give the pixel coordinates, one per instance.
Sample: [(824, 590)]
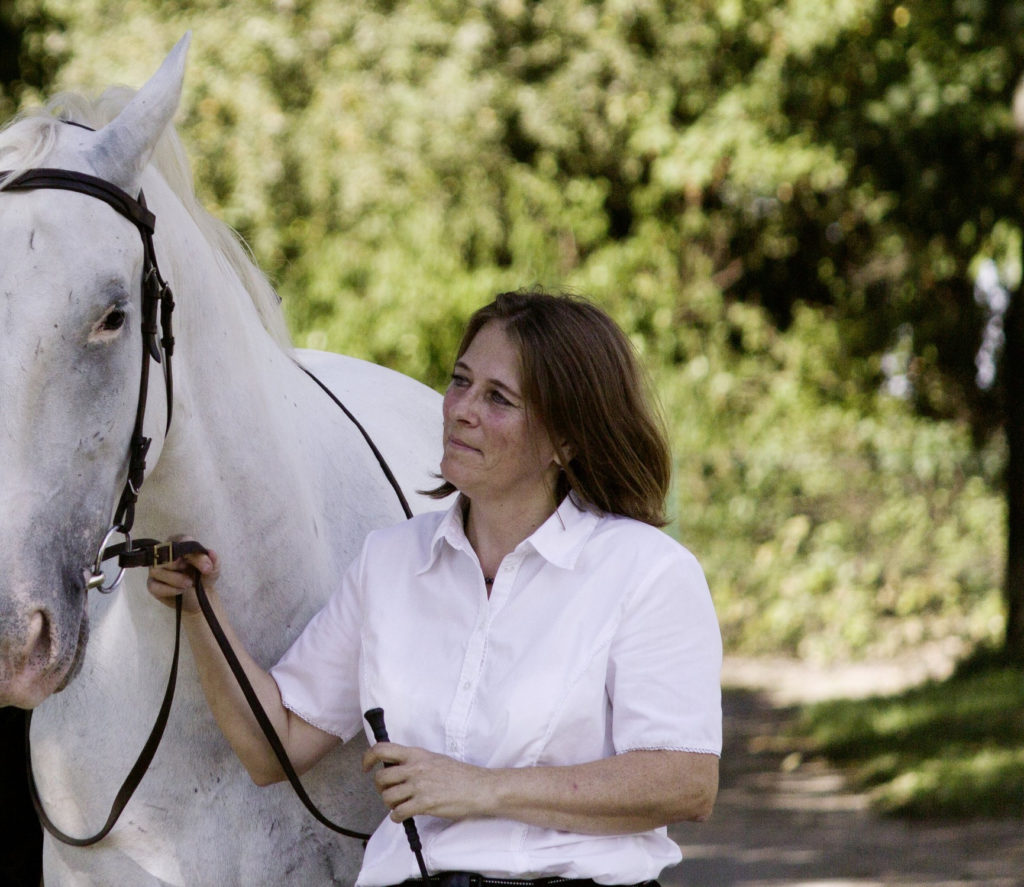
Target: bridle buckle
[(163, 553)]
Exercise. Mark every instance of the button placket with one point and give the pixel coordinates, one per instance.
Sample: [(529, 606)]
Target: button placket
[(457, 723)]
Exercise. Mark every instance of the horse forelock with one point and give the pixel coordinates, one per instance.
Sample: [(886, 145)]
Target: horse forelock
[(27, 140)]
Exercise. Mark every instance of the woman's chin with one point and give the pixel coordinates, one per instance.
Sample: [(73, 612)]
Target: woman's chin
[(453, 472)]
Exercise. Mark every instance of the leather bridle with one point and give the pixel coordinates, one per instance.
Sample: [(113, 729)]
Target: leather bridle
[(157, 307), (158, 346)]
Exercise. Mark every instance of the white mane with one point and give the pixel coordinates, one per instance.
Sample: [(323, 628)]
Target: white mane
[(29, 137)]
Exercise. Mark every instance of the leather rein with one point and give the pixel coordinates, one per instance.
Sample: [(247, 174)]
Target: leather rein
[(158, 346)]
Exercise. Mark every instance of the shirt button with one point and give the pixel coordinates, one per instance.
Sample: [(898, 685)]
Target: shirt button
[(466, 685)]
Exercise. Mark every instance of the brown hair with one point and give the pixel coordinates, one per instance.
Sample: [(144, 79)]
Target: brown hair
[(582, 381)]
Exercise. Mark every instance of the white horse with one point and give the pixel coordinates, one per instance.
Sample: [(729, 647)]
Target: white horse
[(258, 464)]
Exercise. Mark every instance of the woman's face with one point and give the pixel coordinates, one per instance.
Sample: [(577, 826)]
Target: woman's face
[(491, 449)]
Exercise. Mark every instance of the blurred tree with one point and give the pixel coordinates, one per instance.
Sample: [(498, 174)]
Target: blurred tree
[(909, 232), (28, 64), (10, 45)]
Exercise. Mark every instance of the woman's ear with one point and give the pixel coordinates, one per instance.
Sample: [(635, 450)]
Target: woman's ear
[(563, 454)]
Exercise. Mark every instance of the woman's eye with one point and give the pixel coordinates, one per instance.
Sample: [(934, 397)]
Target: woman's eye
[(459, 381), (500, 398)]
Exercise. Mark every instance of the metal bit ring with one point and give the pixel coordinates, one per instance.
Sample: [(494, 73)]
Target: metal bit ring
[(94, 579)]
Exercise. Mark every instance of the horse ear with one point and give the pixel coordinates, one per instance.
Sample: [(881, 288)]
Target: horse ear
[(123, 147)]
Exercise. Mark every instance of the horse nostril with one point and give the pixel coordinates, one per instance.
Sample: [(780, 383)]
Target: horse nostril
[(37, 641)]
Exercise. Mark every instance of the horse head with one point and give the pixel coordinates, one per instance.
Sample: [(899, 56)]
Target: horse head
[(70, 306)]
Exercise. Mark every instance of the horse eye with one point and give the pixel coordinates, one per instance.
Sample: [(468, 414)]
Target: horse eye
[(113, 320), (105, 329)]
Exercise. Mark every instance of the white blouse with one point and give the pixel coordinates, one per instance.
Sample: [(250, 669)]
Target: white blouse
[(599, 637)]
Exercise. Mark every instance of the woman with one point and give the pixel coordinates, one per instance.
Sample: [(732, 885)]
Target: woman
[(547, 659)]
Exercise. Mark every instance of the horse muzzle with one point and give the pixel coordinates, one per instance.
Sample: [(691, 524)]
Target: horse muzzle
[(38, 655)]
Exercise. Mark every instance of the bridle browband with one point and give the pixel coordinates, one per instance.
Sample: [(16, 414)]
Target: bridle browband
[(158, 345)]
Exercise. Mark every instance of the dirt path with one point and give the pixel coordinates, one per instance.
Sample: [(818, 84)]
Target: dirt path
[(784, 821)]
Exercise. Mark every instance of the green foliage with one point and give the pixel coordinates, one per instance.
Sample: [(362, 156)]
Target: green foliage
[(831, 524), (945, 749), (767, 195), (28, 61)]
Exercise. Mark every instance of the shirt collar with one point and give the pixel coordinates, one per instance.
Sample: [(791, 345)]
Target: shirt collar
[(559, 540), (449, 530)]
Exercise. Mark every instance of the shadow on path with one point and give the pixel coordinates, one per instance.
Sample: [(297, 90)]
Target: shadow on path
[(781, 820)]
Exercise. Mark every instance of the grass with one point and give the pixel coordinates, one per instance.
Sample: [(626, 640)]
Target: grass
[(950, 749)]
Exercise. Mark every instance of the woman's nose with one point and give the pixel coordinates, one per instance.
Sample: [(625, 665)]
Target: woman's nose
[(462, 406)]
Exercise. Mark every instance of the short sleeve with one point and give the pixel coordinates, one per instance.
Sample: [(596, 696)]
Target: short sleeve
[(318, 675), (664, 674)]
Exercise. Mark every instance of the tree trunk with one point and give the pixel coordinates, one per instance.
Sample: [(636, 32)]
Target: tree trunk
[(1013, 386)]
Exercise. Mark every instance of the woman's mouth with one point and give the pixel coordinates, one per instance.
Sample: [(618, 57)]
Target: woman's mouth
[(458, 444)]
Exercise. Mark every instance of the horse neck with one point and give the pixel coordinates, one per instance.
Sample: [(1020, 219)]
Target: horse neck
[(230, 471)]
